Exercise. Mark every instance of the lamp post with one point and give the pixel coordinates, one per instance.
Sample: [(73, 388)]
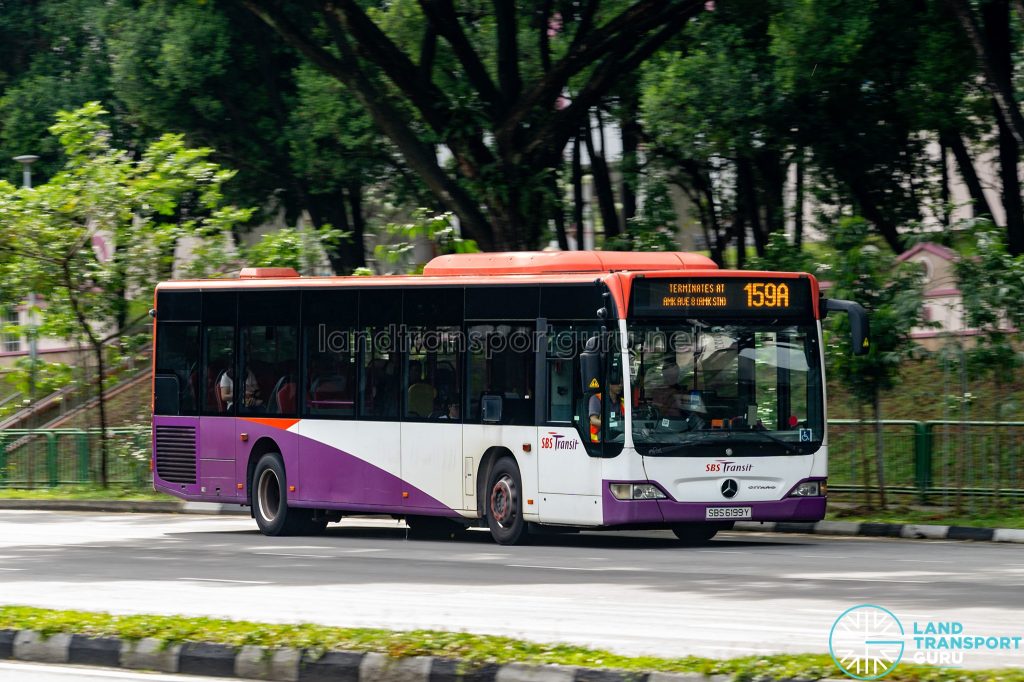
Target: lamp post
[(26, 161)]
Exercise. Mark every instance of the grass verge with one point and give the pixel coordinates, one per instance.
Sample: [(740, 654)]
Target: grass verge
[(84, 492), (1008, 518), (455, 645)]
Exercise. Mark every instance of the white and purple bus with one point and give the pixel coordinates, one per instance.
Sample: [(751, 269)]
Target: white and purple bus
[(515, 391)]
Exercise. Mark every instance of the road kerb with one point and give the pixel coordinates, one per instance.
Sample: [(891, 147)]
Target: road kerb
[(30, 645), (150, 654)]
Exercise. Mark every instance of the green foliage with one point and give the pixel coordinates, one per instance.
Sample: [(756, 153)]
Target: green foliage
[(48, 376), (105, 225), (436, 231), (991, 282), (289, 247), (782, 256), (653, 229), (473, 649), (865, 272)]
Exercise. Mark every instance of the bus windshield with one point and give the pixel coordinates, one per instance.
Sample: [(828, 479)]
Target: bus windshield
[(710, 383)]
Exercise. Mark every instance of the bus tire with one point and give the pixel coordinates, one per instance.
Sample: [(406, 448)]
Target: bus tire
[(695, 533), (270, 501), (505, 503)]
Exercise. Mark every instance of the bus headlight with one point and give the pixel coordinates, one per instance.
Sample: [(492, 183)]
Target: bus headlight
[(636, 491), (809, 489)]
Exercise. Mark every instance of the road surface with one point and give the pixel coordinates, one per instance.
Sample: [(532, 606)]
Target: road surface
[(11, 671), (635, 593)]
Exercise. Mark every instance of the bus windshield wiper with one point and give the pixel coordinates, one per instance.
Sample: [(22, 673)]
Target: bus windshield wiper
[(790, 447), (675, 447)]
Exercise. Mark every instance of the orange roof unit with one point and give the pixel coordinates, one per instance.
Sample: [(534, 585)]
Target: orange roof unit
[(553, 262)]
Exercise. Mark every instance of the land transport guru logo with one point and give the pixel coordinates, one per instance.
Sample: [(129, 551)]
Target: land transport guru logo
[(867, 642)]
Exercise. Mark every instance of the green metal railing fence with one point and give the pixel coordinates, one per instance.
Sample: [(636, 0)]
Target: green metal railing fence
[(935, 461), (932, 460), (33, 458)]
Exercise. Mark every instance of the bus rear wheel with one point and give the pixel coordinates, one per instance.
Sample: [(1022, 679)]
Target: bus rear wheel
[(505, 504), (270, 502)]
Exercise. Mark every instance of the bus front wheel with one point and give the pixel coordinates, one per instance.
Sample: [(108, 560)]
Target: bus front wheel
[(270, 502), (505, 504)]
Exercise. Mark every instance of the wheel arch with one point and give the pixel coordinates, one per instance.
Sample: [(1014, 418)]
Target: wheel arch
[(260, 447), (483, 474)]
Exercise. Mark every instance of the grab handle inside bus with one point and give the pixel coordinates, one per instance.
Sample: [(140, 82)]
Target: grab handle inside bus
[(859, 327)]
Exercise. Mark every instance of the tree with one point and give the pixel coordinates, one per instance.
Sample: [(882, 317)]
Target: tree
[(892, 293), (432, 73), (716, 119), (52, 235), (991, 282)]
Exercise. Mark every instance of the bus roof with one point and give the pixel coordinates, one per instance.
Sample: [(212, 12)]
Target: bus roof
[(615, 268), (552, 262)]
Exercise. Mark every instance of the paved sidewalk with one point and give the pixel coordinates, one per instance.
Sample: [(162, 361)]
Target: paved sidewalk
[(907, 531)]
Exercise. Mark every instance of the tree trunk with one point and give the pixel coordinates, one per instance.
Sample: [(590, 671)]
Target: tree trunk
[(555, 206), (739, 225), (879, 449), (944, 181), (993, 50), (961, 460), (798, 207), (577, 194), (603, 189), (629, 123), (330, 209), (101, 396), (745, 179), (997, 458), (772, 170), (1009, 157), (979, 204), (865, 468), (356, 253)]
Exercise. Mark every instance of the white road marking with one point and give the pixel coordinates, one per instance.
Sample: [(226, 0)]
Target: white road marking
[(301, 556), (225, 580), (573, 568)]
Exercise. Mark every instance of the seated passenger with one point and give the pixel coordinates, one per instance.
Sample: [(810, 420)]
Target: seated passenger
[(251, 396), (420, 394)]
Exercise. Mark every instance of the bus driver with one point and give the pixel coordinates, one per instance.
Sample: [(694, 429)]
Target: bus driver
[(617, 407)]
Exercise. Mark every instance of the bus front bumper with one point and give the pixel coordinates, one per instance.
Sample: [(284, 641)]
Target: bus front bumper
[(670, 512)]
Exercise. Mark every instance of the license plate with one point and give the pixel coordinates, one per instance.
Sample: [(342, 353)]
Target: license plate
[(727, 513)]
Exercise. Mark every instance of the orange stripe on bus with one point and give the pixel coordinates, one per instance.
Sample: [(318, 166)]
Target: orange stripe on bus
[(275, 423)]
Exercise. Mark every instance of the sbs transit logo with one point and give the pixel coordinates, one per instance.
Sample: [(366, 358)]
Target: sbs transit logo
[(866, 642), (556, 441)]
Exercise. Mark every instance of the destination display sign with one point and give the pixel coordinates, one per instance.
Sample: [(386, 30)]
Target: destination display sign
[(721, 297)]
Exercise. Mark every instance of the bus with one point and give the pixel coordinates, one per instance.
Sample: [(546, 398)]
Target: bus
[(521, 392)]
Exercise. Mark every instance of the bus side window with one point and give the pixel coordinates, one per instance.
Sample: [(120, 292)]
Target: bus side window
[(218, 393), (330, 353), (382, 378), (501, 363), (177, 368)]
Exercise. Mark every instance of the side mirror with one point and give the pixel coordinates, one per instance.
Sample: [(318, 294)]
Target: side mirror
[(490, 409), (859, 326)]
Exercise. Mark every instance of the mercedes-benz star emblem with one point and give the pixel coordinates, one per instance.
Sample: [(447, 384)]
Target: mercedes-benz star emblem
[(729, 488)]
